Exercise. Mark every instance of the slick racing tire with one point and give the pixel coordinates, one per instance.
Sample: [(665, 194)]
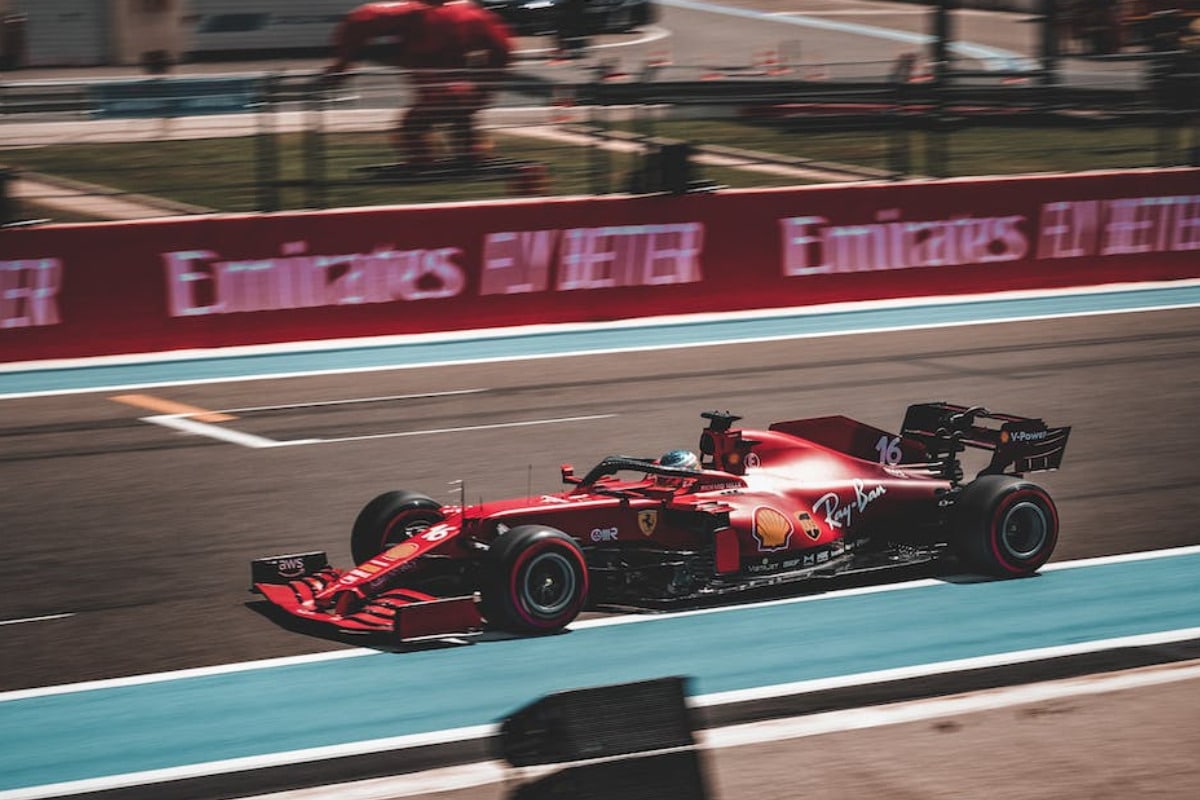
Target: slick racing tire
[(1005, 527), (536, 580), (390, 519)]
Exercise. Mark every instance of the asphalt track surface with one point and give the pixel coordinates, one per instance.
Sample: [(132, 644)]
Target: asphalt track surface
[(143, 533), (134, 528)]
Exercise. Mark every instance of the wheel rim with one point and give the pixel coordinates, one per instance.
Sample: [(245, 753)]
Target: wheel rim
[(403, 528), (549, 585), (1024, 530)]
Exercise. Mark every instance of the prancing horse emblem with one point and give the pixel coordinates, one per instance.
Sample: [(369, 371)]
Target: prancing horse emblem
[(647, 521)]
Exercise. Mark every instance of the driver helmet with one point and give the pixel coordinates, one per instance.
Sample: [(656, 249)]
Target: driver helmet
[(680, 459)]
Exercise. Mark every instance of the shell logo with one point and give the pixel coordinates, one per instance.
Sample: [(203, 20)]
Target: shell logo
[(772, 528), (403, 550)]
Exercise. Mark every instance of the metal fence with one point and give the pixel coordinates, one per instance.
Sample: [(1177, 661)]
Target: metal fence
[(118, 149)]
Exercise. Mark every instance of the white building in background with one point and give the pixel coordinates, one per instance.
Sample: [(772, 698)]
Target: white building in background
[(93, 32), (264, 27), (41, 33)]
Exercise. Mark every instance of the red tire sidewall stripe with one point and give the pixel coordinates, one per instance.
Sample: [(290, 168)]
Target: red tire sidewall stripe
[(994, 533), (392, 523), (514, 593)]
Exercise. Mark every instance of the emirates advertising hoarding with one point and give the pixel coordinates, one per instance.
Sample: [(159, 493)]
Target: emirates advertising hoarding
[(112, 288)]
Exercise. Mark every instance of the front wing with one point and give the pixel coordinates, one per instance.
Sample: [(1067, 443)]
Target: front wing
[(403, 613)]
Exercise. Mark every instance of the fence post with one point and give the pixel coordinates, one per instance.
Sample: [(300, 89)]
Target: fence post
[(943, 34), (937, 155), (899, 148), (599, 159), (1049, 42), (8, 203), (1194, 150), (314, 149), (1166, 140), (899, 153), (267, 147)]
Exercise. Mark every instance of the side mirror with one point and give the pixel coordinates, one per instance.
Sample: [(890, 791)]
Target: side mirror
[(568, 474)]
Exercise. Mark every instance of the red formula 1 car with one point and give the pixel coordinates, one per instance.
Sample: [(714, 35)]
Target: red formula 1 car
[(804, 499)]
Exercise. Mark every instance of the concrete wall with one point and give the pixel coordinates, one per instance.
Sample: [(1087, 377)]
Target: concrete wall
[(144, 28)]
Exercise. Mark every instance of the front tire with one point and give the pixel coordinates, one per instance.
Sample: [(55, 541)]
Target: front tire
[(390, 519), (536, 581), (1006, 526)]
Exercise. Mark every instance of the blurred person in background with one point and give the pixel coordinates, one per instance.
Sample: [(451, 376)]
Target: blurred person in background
[(457, 54)]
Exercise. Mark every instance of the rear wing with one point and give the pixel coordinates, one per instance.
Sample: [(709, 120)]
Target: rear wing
[(1018, 444)]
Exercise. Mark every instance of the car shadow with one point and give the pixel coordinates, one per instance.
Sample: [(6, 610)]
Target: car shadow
[(947, 573), (380, 640)]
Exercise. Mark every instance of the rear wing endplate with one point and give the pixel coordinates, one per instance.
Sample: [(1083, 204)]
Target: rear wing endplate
[(1018, 444)]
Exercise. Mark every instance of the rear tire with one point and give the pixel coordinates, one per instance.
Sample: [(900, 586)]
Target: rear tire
[(1006, 526), (390, 519), (536, 580)]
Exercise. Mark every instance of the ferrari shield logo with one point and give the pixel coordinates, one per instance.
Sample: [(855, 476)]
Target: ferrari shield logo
[(647, 521), (810, 527)]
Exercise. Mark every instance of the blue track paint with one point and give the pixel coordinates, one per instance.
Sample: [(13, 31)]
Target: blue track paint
[(484, 346), (111, 731)]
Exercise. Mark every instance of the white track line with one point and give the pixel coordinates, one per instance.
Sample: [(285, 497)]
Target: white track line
[(492, 772), (183, 674), (1122, 558), (974, 702), (462, 429), (354, 401), (244, 764), (334, 655), (43, 618), (184, 423), (485, 334), (957, 665), (489, 772)]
